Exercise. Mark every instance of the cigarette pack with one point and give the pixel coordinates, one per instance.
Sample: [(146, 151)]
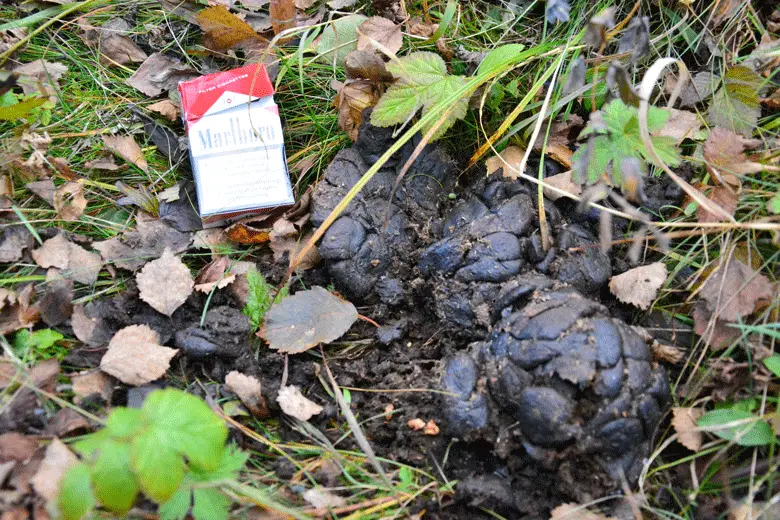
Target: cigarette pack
[(236, 144)]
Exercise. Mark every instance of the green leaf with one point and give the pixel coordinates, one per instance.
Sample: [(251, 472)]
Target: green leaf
[(773, 364), (616, 136), (177, 507), (210, 504), (158, 467), (260, 298), (186, 424), (21, 109), (755, 433), (736, 104), (233, 461), (124, 422), (774, 204), (39, 344), (115, 485), (422, 82), (500, 57), (76, 499), (339, 39), (91, 443), (405, 475)]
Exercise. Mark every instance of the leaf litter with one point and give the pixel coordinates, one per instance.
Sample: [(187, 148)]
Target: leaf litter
[(165, 283), (135, 357)]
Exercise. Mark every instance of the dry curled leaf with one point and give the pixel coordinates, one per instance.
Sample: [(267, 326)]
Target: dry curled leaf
[(431, 428), (562, 181), (40, 76), (69, 201), (224, 31), (366, 65), (165, 283), (295, 404), (249, 390), (79, 264), (125, 147), (382, 31), (160, 73), (213, 275), (681, 125), (684, 423), (135, 357), (415, 424), (306, 319), (667, 353), (94, 383), (724, 197), (724, 153), (639, 286), (576, 512), (735, 291), (352, 98)]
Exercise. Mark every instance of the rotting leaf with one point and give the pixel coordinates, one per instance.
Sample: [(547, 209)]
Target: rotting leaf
[(681, 125), (382, 31), (726, 198), (306, 319), (166, 108), (89, 384), (684, 423), (576, 77), (735, 105), (354, 96), (557, 144), (40, 76), (115, 47), (639, 286), (287, 247), (295, 404), (716, 333), (636, 38), (79, 264), (160, 73), (69, 201), (165, 283), (135, 356), (598, 26), (724, 152), (366, 65), (56, 303), (103, 163), (213, 275), (735, 291), (224, 31), (557, 11), (249, 390), (695, 91), (44, 189), (125, 147)]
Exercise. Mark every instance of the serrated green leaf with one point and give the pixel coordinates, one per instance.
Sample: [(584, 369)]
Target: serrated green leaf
[(233, 461), (422, 82), (124, 422), (755, 433), (500, 57), (259, 299), (91, 443), (339, 39), (177, 507), (773, 364), (186, 424), (210, 504), (76, 500), (115, 485), (158, 467)]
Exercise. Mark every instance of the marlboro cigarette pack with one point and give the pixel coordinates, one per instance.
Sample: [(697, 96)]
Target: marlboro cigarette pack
[(236, 144)]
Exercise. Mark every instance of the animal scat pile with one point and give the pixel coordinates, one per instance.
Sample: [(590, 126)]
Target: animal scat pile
[(551, 370)]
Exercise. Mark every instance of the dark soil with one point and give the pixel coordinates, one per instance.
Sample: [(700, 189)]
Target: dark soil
[(547, 398)]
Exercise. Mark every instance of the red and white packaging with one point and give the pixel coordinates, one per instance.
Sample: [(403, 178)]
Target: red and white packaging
[(236, 144)]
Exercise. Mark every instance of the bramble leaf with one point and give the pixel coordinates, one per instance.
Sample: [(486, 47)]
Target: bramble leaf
[(754, 433), (421, 82), (158, 467), (76, 498), (735, 105), (210, 504), (614, 137), (177, 507), (115, 485)]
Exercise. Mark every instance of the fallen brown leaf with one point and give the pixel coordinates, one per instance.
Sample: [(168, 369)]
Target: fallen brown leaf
[(69, 201), (135, 357), (89, 384), (724, 153), (165, 283), (16, 311), (320, 498), (56, 303), (507, 161), (166, 108), (159, 73), (249, 390), (17, 447), (562, 133), (40, 76), (252, 230), (639, 286), (415, 424), (44, 189), (224, 31), (352, 97), (562, 181), (66, 422), (287, 247), (306, 319), (681, 125), (735, 290), (14, 239), (295, 404), (684, 423), (76, 262), (125, 147), (382, 31), (282, 14), (725, 197), (115, 47), (716, 333), (213, 275), (366, 65), (57, 460), (667, 353), (103, 163)]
